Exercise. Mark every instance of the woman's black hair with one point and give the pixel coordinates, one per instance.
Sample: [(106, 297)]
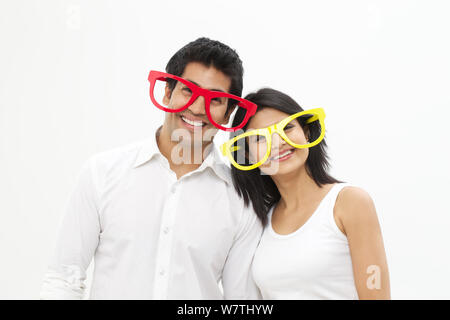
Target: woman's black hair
[(259, 188)]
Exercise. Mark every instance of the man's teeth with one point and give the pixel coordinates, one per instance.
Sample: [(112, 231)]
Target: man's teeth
[(282, 155), (193, 123)]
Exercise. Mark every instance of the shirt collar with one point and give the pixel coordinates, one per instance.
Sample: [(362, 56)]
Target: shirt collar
[(149, 148), (214, 162)]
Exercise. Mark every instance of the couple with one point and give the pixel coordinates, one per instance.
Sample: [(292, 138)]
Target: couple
[(165, 218)]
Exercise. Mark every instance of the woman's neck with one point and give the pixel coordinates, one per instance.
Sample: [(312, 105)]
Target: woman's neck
[(295, 189)]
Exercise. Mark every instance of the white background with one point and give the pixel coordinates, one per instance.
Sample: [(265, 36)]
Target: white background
[(73, 82)]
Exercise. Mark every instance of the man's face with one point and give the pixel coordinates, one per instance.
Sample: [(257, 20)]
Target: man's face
[(192, 124)]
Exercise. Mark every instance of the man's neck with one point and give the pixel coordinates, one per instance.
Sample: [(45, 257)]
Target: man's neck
[(183, 158)]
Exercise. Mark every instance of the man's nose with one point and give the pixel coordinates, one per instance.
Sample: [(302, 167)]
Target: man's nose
[(198, 106)]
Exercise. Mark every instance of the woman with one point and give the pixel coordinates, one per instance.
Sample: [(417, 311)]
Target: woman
[(322, 239)]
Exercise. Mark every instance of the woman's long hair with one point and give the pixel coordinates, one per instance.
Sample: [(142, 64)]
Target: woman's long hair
[(259, 188)]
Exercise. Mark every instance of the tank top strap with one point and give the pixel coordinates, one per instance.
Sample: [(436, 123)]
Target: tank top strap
[(336, 189), (330, 198), (327, 210)]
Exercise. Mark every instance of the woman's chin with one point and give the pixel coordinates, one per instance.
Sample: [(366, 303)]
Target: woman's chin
[(275, 168)]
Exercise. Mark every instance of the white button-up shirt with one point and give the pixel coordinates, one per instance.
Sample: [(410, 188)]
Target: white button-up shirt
[(153, 236)]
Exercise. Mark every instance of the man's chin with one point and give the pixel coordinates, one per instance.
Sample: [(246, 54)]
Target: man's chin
[(190, 135), (189, 140), (198, 136)]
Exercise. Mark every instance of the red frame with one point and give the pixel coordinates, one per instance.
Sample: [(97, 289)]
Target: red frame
[(198, 91)]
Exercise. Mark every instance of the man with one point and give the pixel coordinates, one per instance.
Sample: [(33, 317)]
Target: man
[(159, 224)]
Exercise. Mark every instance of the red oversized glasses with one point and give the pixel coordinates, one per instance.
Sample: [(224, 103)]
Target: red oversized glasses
[(184, 93)]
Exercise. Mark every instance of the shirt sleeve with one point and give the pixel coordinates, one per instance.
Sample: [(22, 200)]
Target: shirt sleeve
[(77, 240), (237, 278)]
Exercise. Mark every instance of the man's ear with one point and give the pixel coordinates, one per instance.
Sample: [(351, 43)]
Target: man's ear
[(167, 95)]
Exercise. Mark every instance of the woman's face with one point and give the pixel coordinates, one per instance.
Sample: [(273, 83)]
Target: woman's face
[(283, 158)]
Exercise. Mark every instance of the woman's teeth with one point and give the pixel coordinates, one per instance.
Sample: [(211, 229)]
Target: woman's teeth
[(282, 155), (193, 123)]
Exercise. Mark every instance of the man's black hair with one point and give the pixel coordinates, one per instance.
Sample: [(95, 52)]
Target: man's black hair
[(210, 53)]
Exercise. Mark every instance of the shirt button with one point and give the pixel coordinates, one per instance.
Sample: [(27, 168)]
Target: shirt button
[(166, 230), (162, 272), (173, 189)]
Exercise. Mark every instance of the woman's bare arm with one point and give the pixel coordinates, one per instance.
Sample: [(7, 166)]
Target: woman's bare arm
[(356, 216)]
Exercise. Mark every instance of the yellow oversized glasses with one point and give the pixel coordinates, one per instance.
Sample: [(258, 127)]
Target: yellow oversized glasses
[(251, 149)]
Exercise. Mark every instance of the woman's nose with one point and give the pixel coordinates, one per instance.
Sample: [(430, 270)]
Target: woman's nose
[(277, 141)]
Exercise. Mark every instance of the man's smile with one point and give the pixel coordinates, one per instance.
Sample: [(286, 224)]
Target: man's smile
[(191, 122)]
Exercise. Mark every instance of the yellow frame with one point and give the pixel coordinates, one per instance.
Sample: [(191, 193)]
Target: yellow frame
[(227, 148)]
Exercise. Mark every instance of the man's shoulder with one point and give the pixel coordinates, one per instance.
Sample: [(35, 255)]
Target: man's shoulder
[(224, 172), (221, 169), (122, 156)]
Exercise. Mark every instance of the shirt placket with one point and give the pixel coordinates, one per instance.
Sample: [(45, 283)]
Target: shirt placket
[(165, 239)]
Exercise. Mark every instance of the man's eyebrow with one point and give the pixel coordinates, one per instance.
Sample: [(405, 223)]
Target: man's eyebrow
[(220, 90)]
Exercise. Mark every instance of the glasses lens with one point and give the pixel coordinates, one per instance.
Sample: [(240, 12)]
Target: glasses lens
[(220, 107), (304, 129), (171, 93), (249, 150)]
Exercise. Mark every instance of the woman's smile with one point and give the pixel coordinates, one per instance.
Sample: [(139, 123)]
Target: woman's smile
[(284, 155)]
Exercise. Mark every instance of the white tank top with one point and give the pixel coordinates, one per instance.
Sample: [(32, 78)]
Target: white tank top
[(312, 262)]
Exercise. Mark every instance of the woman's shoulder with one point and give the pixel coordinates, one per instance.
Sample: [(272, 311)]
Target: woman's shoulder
[(349, 194), (354, 203)]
